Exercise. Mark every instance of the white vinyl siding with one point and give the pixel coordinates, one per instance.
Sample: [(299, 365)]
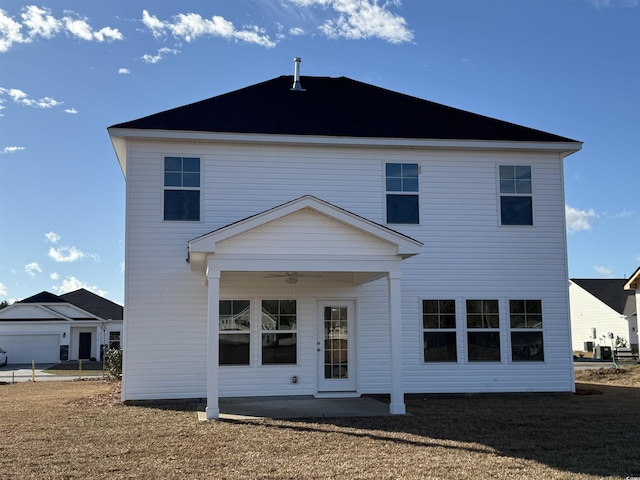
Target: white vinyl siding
[(466, 255)]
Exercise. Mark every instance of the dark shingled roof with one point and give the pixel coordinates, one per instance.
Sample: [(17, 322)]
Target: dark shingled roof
[(611, 292), (86, 300), (43, 297), (92, 303), (336, 107)]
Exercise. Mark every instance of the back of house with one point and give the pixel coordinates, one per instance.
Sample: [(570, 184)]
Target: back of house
[(339, 239)]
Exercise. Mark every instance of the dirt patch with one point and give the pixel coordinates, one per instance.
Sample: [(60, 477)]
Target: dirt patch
[(626, 376), (110, 398)]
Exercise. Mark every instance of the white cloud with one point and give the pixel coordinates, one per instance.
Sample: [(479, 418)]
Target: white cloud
[(624, 214), (160, 56), (71, 284), (191, 26), (3, 289), (362, 19), (32, 268), (40, 23), (54, 276), (72, 111), (21, 98), (124, 71), (66, 254), (296, 31), (13, 149), (578, 220), (9, 32), (53, 237), (602, 4), (604, 272)]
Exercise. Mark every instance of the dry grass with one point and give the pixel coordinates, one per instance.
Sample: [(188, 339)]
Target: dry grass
[(80, 430)]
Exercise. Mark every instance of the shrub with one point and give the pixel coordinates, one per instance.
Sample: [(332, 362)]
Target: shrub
[(113, 358)]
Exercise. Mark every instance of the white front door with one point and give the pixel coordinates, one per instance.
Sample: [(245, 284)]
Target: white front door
[(336, 346)]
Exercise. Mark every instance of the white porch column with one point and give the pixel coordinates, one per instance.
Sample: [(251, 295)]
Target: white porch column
[(397, 405), (213, 277)]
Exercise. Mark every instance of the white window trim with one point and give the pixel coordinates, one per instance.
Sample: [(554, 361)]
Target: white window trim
[(454, 330), (386, 192), (164, 187), (542, 330), (532, 195)]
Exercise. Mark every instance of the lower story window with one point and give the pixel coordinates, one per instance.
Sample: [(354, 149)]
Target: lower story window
[(114, 340), (235, 332), (279, 337), (483, 331), (439, 330), (526, 330)]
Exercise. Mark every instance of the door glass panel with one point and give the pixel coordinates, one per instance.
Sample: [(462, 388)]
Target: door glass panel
[(335, 343)]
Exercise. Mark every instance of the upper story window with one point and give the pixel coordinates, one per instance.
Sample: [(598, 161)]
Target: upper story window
[(402, 193), (182, 188), (516, 201)]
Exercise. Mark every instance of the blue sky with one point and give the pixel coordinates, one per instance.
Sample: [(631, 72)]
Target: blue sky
[(69, 69)]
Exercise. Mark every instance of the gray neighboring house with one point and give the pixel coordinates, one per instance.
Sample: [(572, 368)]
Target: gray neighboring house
[(600, 306), (51, 328)]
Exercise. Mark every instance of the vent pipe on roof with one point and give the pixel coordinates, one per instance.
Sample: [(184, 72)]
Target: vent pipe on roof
[(296, 75)]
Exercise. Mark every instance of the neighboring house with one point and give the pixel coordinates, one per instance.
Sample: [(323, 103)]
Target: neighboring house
[(339, 239), (601, 307), (633, 285), (52, 328)]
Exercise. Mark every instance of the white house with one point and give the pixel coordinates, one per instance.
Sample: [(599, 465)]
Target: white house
[(600, 307), (48, 328), (323, 236)]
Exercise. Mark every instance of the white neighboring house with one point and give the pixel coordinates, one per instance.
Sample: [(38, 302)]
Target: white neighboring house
[(633, 285), (599, 307), (52, 328), (394, 245)]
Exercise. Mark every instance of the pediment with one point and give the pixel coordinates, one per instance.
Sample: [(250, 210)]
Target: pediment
[(306, 226)]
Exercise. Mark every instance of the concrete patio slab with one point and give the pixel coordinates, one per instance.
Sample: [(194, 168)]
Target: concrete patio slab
[(240, 408)]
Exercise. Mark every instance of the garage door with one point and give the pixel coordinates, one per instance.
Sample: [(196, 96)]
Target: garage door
[(25, 348)]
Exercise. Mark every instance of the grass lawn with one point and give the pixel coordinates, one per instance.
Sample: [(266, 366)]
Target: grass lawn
[(80, 430)]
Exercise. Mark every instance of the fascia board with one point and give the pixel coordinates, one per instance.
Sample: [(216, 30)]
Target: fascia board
[(566, 148), (633, 282)]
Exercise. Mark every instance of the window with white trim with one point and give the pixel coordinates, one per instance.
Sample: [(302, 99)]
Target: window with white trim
[(234, 332), (182, 188), (516, 195), (279, 327), (526, 330), (439, 330), (402, 193), (114, 339), (483, 331)]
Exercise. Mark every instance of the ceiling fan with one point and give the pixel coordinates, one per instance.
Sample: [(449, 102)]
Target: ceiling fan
[(291, 277)]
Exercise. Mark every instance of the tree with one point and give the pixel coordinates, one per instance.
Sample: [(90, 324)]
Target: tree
[(3, 304)]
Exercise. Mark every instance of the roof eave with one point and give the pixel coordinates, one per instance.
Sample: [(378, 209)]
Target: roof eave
[(634, 281), (120, 135)]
